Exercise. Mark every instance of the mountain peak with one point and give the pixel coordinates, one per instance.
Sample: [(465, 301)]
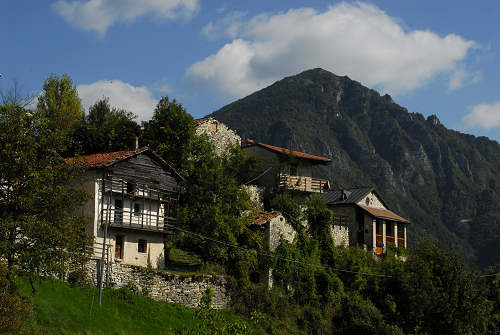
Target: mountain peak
[(426, 172)]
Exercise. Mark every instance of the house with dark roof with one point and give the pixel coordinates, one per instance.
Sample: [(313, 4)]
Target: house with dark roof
[(134, 199), (285, 168), (369, 221)]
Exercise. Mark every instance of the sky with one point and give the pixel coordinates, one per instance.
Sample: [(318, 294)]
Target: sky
[(432, 57)]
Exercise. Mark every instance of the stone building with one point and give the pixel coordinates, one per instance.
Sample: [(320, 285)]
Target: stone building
[(275, 229), (134, 197), (280, 167), (220, 135), (362, 218)]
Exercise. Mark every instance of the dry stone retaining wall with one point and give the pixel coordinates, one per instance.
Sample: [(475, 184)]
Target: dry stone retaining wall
[(164, 286)]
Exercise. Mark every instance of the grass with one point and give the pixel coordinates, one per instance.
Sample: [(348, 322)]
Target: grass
[(63, 309)]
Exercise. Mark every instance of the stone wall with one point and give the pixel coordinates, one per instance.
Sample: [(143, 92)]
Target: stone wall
[(164, 286), (279, 229), (340, 235), (220, 135), (256, 194)]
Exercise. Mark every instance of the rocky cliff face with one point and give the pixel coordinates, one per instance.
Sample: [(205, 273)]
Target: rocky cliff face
[(447, 183)]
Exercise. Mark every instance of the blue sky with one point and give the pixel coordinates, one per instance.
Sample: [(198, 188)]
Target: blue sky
[(432, 57)]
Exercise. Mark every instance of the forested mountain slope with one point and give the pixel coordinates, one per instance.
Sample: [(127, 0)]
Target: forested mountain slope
[(445, 182)]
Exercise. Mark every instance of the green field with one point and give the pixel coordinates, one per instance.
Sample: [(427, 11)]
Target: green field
[(61, 308)]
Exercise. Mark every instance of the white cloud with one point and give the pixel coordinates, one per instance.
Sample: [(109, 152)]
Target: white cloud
[(229, 26), (358, 40), (486, 116), (138, 100), (99, 15), (461, 77)]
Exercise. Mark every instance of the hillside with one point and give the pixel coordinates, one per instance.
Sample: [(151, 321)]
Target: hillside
[(60, 308), (447, 183)]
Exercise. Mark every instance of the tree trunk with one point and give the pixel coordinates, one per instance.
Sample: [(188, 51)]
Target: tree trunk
[(32, 283)]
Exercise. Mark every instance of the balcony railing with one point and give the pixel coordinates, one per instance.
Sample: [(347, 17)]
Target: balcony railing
[(138, 221), (389, 240), (306, 184)]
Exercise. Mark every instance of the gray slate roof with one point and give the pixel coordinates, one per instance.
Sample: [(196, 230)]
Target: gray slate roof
[(354, 195)]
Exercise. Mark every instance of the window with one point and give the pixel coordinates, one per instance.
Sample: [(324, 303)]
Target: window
[(130, 188), (142, 246), (293, 170), (118, 211), (119, 247), (137, 209)]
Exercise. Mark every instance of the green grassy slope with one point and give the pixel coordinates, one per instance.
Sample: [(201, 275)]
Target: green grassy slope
[(63, 309)]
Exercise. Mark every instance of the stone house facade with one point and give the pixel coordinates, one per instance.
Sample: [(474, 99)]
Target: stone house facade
[(365, 220)]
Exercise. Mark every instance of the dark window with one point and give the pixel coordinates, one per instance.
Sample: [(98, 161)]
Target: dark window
[(118, 211), (401, 232), (119, 247), (137, 209), (293, 170), (389, 229), (130, 188), (142, 246)]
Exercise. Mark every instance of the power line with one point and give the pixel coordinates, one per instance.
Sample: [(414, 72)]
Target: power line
[(277, 257), (491, 275)]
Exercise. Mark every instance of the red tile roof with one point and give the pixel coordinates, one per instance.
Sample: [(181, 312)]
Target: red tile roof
[(264, 217), (298, 154), (202, 120), (106, 159), (384, 214)]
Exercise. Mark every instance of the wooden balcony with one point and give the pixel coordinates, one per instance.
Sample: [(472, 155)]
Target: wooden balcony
[(389, 240), (151, 222), (306, 184)]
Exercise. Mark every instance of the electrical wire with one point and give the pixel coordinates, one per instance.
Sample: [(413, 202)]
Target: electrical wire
[(274, 256)]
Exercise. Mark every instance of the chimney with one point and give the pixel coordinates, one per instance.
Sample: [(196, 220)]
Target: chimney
[(136, 142)]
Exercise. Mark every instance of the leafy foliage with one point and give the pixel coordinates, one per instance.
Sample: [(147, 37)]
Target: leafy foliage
[(106, 129), (170, 132), (14, 310), (61, 107), (39, 228)]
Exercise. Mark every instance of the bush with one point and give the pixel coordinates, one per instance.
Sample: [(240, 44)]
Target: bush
[(14, 310)]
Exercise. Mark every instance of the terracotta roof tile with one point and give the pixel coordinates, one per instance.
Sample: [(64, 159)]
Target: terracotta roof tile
[(298, 154), (106, 159), (202, 120), (264, 217), (384, 214)]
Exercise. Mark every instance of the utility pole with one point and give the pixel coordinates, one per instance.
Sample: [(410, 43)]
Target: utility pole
[(106, 222)]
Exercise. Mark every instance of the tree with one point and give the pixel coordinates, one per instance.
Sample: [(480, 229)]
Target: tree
[(213, 201), (40, 231), (440, 296), (15, 96), (170, 133), (106, 129), (60, 105)]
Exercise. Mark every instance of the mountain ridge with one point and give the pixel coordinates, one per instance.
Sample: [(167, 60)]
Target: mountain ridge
[(446, 182)]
